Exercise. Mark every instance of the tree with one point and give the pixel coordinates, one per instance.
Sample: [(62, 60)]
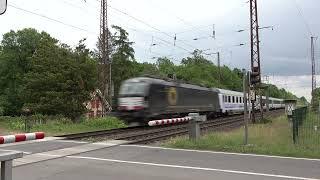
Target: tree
[(122, 58), (16, 50), (303, 101), (315, 99), (60, 80), (197, 58), (165, 66)]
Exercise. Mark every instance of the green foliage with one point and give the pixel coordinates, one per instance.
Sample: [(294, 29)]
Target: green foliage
[(272, 139), (16, 50), (315, 99), (122, 57), (275, 92), (59, 125), (303, 101), (105, 123), (39, 74)]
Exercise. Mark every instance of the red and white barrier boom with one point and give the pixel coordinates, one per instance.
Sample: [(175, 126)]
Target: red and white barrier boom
[(168, 121), (21, 137)]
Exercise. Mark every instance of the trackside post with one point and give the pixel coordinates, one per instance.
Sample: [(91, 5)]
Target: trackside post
[(6, 159), (194, 125), (245, 104)]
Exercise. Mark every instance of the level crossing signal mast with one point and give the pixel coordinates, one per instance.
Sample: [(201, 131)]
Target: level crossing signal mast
[(255, 77), (105, 70), (255, 55)]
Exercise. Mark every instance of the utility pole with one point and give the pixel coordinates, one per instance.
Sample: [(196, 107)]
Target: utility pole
[(219, 66), (267, 94), (314, 81), (245, 103), (105, 62), (218, 63), (255, 56)]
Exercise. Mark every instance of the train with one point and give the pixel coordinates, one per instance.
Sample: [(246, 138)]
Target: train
[(142, 99)]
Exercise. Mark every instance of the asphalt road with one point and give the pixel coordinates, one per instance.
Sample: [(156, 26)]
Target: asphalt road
[(135, 162)]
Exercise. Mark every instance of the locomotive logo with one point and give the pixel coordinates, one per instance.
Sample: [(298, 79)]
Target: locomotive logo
[(172, 96)]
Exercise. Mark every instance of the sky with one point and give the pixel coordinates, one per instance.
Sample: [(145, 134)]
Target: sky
[(285, 49)]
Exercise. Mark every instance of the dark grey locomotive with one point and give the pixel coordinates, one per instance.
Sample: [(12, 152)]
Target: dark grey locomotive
[(142, 99)]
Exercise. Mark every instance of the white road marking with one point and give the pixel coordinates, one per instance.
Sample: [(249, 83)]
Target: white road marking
[(71, 141), (9, 150), (193, 168), (226, 153), (50, 155)]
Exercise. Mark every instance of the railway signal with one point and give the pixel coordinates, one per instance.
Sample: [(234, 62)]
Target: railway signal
[(255, 78), (3, 6)]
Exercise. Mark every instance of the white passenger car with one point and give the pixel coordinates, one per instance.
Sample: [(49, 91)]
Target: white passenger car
[(231, 102)]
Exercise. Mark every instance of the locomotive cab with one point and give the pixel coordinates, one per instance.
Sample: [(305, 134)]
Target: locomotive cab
[(132, 100)]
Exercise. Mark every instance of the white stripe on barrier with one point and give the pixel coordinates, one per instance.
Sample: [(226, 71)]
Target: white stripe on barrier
[(21, 137), (168, 121), (9, 139), (30, 136)]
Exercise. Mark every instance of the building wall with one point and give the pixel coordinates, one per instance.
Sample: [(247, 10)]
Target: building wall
[(94, 107)]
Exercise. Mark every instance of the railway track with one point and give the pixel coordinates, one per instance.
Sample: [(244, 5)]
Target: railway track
[(147, 135)]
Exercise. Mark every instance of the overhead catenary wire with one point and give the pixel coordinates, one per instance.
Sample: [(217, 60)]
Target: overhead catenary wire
[(185, 22), (67, 24), (163, 41), (149, 25), (155, 28), (51, 19), (300, 13)]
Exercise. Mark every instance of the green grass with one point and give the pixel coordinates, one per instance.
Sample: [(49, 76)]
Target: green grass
[(59, 125), (309, 131), (271, 139)]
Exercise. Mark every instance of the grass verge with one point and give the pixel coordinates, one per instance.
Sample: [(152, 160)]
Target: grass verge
[(270, 139), (59, 126)]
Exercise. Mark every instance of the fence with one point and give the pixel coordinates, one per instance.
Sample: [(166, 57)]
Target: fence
[(306, 127)]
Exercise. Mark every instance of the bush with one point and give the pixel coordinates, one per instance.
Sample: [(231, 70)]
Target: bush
[(105, 123)]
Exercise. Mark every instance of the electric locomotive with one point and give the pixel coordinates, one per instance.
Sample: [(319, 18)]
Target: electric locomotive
[(143, 98)]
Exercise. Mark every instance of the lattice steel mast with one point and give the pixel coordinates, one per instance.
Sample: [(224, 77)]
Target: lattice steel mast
[(105, 68), (255, 54)]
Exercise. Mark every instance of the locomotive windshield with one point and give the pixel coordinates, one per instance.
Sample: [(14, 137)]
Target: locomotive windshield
[(137, 88)]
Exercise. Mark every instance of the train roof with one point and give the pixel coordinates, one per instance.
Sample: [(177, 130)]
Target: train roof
[(277, 99), (166, 82), (229, 92)]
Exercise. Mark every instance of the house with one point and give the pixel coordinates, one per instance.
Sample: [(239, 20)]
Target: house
[(97, 105)]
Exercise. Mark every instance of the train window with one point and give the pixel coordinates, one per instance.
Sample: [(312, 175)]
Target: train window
[(225, 98), (229, 99), (233, 100), (237, 100), (240, 99), (138, 88)]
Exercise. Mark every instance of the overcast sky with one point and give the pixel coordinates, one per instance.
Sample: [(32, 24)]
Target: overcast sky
[(285, 51)]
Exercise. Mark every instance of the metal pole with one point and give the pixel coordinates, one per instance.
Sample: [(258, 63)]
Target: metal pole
[(261, 106), (6, 170), (219, 67), (245, 115), (267, 99), (106, 67), (253, 117), (255, 49)]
